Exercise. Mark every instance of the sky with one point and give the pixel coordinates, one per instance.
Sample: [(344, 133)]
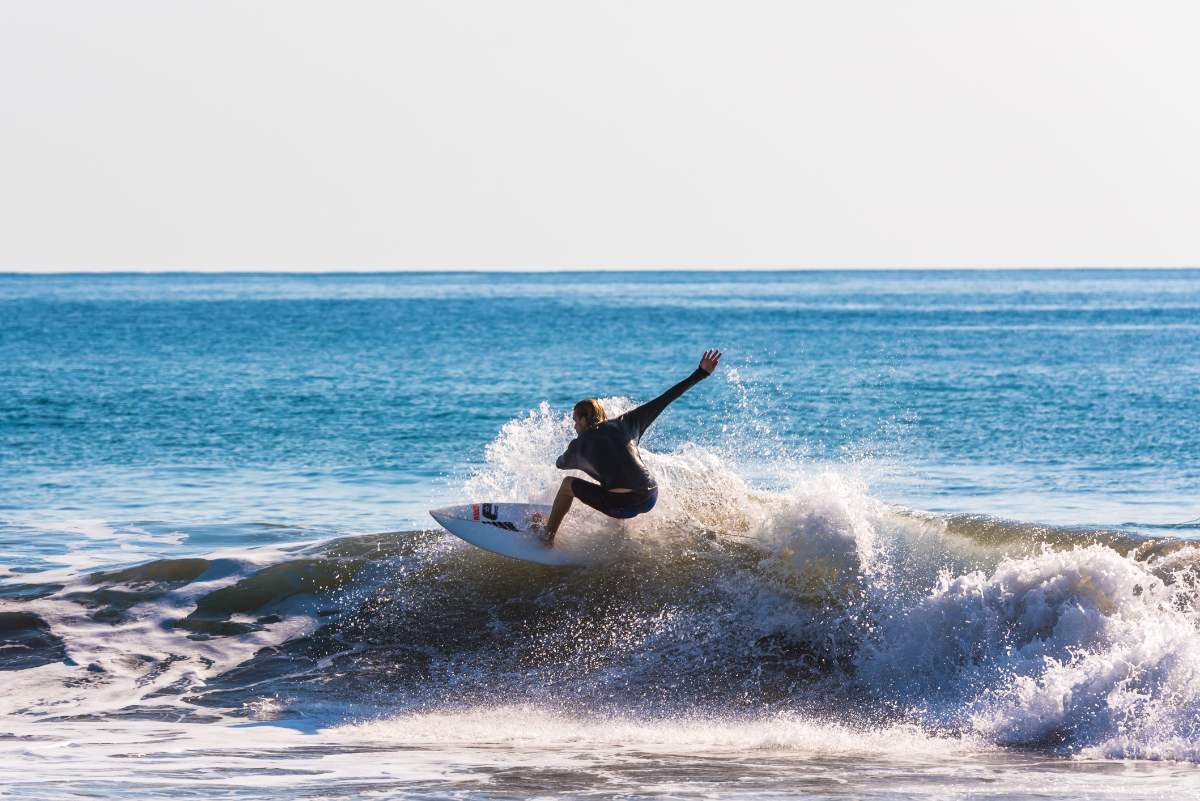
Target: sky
[(180, 135)]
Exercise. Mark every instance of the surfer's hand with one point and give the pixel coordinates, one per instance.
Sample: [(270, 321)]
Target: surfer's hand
[(708, 362)]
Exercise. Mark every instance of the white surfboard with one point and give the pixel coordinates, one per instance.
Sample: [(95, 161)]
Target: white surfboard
[(503, 528)]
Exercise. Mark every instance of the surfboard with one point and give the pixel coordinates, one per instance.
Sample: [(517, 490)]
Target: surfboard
[(503, 528)]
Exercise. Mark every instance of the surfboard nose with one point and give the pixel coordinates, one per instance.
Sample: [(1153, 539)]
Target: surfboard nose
[(446, 513), (467, 511)]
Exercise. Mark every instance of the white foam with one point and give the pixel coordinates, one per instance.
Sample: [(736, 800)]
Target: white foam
[(132, 659), (524, 726), (1083, 646)]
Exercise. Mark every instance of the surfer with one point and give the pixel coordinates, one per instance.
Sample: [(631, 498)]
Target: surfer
[(607, 450)]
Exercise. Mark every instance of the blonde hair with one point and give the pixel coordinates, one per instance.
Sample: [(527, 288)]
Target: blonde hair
[(591, 411)]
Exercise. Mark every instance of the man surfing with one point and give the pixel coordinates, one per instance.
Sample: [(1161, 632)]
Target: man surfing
[(607, 450)]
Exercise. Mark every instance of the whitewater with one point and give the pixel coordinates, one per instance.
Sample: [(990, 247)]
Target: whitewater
[(839, 613)]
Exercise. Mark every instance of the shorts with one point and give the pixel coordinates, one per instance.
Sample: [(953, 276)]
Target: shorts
[(622, 505)]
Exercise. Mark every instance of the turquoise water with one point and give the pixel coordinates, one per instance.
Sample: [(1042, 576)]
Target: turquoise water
[(988, 480)]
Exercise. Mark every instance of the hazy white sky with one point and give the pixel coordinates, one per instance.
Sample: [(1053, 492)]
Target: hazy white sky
[(168, 134)]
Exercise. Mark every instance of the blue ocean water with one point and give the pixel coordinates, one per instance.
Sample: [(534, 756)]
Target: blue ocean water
[(960, 503), (357, 400)]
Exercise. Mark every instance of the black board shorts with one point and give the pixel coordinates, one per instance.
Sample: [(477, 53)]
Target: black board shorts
[(622, 505)]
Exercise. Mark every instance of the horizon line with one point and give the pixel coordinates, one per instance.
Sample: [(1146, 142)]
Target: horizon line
[(565, 270)]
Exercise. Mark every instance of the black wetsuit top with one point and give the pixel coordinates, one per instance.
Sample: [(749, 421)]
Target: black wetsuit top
[(609, 452)]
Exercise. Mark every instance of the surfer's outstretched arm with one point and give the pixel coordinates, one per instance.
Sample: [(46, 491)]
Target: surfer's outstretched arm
[(640, 418)]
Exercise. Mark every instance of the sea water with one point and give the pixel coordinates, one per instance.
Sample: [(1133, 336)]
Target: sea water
[(923, 535)]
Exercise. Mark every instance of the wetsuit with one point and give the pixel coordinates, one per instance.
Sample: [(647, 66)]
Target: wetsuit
[(608, 452)]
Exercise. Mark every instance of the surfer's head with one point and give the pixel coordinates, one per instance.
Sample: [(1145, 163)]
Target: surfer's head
[(588, 413)]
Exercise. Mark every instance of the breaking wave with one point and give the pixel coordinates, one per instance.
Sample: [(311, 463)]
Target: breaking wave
[(780, 600)]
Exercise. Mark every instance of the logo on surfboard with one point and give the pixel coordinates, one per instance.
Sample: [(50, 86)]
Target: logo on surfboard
[(490, 511)]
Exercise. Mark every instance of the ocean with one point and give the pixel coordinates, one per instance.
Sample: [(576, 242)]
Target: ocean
[(923, 535)]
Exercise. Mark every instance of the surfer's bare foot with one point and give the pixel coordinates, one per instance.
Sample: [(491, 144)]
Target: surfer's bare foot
[(546, 537), (537, 525)]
